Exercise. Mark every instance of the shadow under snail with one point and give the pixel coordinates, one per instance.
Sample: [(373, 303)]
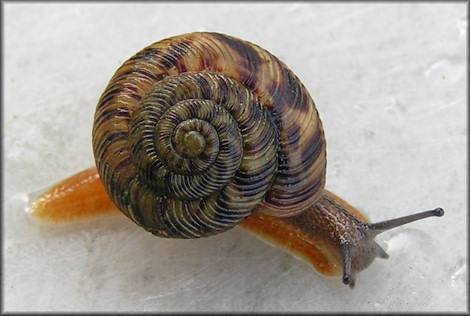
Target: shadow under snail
[(200, 132)]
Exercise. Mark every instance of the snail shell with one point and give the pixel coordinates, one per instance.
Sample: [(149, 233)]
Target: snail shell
[(195, 132)]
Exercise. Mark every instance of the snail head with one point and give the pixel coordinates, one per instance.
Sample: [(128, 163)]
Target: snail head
[(358, 255)]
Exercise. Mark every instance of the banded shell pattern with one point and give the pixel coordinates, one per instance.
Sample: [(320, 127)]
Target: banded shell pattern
[(197, 131)]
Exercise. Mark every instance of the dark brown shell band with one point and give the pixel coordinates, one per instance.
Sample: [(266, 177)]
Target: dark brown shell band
[(195, 132)]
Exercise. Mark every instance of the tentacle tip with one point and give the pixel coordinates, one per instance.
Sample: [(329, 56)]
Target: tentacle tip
[(439, 212), (349, 280)]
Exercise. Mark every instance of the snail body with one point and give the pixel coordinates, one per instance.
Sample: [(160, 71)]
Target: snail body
[(200, 132)]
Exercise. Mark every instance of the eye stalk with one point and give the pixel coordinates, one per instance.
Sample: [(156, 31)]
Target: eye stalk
[(380, 227), (358, 255)]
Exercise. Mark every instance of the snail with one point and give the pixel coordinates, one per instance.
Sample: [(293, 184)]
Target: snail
[(201, 132)]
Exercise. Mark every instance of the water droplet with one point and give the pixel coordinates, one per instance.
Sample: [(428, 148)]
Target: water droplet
[(394, 106), (461, 25), (458, 275), (447, 70), (358, 107), (369, 134)]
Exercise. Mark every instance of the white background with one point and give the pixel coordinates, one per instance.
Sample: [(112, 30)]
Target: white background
[(389, 81)]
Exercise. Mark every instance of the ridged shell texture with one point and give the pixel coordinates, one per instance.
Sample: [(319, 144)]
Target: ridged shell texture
[(197, 131)]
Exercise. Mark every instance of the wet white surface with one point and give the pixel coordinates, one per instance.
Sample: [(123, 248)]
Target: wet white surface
[(389, 82)]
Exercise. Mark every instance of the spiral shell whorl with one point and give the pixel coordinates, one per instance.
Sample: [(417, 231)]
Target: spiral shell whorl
[(195, 132)]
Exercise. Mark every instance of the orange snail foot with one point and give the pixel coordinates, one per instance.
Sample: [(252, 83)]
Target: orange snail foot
[(79, 197), (83, 196)]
